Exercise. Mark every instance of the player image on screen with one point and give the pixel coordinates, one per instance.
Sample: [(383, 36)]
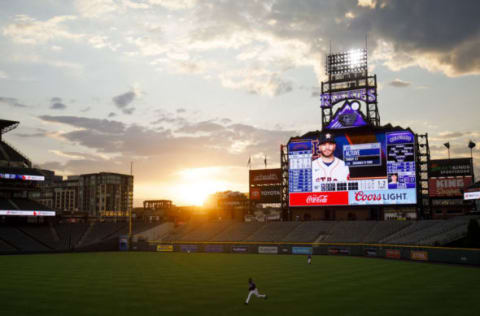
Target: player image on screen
[(393, 181), (327, 167)]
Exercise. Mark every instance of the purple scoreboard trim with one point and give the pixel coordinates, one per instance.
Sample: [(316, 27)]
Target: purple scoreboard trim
[(329, 99), (347, 117)]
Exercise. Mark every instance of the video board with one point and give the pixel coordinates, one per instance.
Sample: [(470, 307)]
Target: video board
[(353, 167)]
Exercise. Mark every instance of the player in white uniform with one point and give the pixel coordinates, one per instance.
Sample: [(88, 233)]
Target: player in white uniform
[(252, 290), (328, 168)]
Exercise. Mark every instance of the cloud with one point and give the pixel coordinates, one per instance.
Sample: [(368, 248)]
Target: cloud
[(397, 83), (196, 144), (435, 35), (95, 8), (111, 114), (27, 30), (40, 132), (96, 125), (257, 81), (123, 100), (57, 104), (3, 75), (12, 102), (174, 4), (100, 8)]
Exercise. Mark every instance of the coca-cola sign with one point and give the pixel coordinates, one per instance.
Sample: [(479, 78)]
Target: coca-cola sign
[(319, 198)]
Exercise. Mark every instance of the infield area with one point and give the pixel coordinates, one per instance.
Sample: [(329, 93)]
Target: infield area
[(216, 284)]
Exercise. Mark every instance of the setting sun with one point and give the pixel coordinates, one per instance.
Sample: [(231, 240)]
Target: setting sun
[(196, 184)]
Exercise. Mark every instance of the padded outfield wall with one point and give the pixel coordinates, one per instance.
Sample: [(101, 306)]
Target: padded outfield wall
[(395, 252)]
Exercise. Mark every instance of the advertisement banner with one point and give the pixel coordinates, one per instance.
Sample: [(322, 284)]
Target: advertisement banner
[(375, 197), (242, 249), (266, 194), (315, 199), (450, 167), (268, 249), (265, 176), (353, 167), (392, 253), (302, 250), (213, 248), (439, 187), (188, 248), (23, 177), (338, 251), (370, 252), (419, 255), (471, 195), (284, 250), (27, 213), (164, 248)]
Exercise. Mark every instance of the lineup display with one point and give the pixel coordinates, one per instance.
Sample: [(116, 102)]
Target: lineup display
[(353, 168)]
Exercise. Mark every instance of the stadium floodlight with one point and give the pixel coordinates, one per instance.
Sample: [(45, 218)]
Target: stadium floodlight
[(352, 61)]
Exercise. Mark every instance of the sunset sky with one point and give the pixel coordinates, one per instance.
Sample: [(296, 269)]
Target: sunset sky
[(189, 89)]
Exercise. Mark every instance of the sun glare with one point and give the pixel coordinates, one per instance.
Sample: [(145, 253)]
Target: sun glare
[(195, 185)]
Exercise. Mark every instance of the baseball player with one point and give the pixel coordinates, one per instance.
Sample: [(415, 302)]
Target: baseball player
[(328, 168), (252, 290), (309, 259)]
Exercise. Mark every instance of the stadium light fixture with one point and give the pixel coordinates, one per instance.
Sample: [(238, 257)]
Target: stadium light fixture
[(353, 61)]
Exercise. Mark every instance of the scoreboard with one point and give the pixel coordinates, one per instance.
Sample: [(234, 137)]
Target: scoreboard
[(380, 165), (362, 155)]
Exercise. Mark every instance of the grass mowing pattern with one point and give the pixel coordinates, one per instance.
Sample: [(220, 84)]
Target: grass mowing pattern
[(216, 284)]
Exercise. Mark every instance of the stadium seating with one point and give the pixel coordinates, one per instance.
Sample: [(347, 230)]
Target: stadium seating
[(206, 231), (6, 248), (383, 229), (6, 205), (274, 231), (41, 233), (157, 232), (14, 236), (101, 231), (70, 234), (349, 231), (309, 231), (8, 153), (238, 232), (26, 204)]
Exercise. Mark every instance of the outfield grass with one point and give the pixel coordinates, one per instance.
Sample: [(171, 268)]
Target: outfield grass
[(216, 284)]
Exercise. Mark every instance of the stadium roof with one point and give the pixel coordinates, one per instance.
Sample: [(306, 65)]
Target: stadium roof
[(6, 125)]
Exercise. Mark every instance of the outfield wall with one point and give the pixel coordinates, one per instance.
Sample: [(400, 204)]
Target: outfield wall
[(394, 252)]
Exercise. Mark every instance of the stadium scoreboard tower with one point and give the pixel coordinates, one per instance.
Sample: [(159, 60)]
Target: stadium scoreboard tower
[(348, 79), (377, 172)]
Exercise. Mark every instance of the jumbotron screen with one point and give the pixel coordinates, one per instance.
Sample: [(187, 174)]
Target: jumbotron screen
[(353, 168)]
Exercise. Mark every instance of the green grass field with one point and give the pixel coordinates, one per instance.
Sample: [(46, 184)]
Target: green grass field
[(216, 284)]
